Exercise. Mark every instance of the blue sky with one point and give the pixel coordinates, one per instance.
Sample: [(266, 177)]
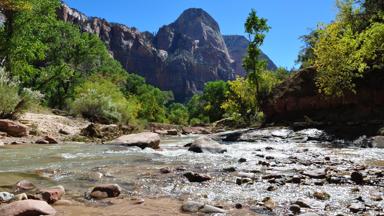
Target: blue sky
[(289, 19)]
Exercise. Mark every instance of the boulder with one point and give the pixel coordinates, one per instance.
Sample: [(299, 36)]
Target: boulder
[(105, 191), (378, 142), (357, 177), (192, 206), (13, 128), (195, 177), (27, 208), (5, 197), (206, 144), (142, 140), (47, 140), (51, 195)]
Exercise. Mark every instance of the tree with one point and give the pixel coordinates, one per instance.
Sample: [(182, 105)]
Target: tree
[(178, 114), (256, 28), (214, 96)]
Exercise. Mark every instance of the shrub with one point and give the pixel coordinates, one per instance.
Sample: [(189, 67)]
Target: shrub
[(102, 101), (178, 114), (14, 101)]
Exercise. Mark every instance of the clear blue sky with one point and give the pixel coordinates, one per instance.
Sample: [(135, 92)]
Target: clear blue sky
[(289, 19)]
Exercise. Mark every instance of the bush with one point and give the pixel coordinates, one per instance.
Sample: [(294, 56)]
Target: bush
[(102, 101), (14, 101), (178, 114)]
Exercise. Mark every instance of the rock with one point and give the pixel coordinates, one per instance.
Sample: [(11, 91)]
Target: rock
[(172, 132), (92, 130), (51, 195), (195, 130), (63, 203), (24, 185), (309, 214), (356, 207), (378, 141), (229, 169), (13, 128), (5, 197), (142, 140), (195, 177), (208, 209), (295, 209), (357, 177), (316, 174), (165, 170), (27, 208), (272, 188), (22, 196), (47, 140), (320, 195), (240, 181), (269, 203), (64, 132), (139, 201), (206, 144), (376, 197), (238, 206), (296, 179), (105, 191), (192, 206), (304, 203), (242, 160)]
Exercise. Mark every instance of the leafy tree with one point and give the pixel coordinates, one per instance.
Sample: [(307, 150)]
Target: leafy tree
[(306, 56), (178, 114), (256, 28), (213, 96)]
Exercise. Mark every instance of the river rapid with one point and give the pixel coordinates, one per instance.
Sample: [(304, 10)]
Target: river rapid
[(267, 171)]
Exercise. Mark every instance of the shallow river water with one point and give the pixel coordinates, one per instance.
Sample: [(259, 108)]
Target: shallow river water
[(78, 167)]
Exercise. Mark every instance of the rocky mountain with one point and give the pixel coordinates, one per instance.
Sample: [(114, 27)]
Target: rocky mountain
[(237, 46), (181, 57)]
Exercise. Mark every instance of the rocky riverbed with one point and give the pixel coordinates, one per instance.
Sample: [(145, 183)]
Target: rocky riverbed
[(273, 171)]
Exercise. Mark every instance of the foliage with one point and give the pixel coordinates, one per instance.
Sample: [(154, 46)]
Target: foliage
[(14, 101), (306, 55), (100, 100), (178, 114), (256, 28)]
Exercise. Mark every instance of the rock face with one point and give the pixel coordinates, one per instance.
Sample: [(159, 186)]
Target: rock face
[(298, 100), (181, 57), (237, 46)]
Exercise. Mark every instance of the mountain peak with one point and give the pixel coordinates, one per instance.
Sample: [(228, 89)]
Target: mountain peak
[(197, 15)]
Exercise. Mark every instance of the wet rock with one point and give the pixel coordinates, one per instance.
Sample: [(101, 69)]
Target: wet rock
[(208, 209), (378, 141), (47, 140), (195, 177), (304, 203), (105, 191), (195, 130), (316, 174), (296, 179), (64, 132), (376, 197), (27, 208), (270, 158), (172, 132), (24, 185), (357, 177), (13, 128), (295, 209), (165, 170), (51, 195), (206, 144), (229, 169), (240, 181), (356, 207), (320, 195), (269, 203), (238, 206), (142, 140), (5, 197), (242, 160), (269, 148), (272, 188), (192, 206)]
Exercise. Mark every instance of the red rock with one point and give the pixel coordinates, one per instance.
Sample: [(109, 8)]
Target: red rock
[(27, 208), (13, 128), (24, 185), (51, 195)]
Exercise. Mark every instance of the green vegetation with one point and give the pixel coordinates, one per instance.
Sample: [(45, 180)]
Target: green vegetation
[(348, 48)]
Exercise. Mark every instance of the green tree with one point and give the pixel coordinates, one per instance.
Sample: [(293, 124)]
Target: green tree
[(178, 114), (214, 96), (256, 28)]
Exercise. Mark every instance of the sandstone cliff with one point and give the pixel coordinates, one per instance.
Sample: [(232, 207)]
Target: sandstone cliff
[(181, 57)]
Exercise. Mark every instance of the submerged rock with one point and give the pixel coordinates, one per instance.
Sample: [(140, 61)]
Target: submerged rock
[(142, 140), (357, 177), (27, 208), (206, 144)]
